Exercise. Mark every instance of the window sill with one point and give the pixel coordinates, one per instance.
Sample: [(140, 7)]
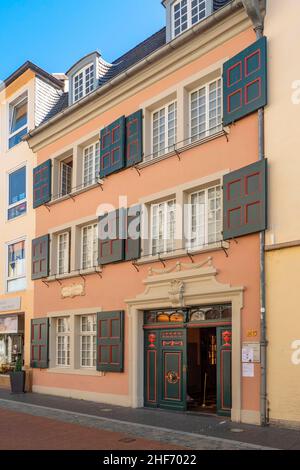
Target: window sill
[(75, 192), (183, 252), (84, 372), (184, 148), (78, 273)]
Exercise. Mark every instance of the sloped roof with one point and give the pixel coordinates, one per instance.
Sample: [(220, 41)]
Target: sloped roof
[(127, 60)]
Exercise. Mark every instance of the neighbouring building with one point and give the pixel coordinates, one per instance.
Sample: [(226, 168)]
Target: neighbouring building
[(282, 241), (26, 97), (170, 318)]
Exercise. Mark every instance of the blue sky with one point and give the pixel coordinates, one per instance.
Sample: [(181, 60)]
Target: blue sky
[(54, 34)]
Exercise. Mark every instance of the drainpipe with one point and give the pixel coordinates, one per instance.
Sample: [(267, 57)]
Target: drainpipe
[(256, 10)]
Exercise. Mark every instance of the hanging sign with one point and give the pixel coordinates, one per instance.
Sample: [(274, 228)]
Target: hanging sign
[(13, 303), (8, 325)]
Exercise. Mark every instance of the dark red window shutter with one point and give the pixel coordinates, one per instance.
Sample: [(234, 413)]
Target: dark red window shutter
[(40, 254), (133, 239), (39, 343), (245, 82), (42, 184), (110, 341), (112, 147), (245, 201), (134, 138), (111, 233)]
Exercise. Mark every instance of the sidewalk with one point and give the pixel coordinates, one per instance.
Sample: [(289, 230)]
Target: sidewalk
[(188, 430)]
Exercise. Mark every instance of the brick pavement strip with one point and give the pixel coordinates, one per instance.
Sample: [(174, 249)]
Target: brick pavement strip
[(20, 431), (26, 426)]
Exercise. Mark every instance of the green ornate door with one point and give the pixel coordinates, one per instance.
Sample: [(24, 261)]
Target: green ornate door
[(165, 368), (224, 392)]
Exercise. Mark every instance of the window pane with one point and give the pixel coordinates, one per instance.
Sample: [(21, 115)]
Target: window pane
[(16, 211), (63, 253), (17, 138), (66, 178), (163, 225), (89, 246), (16, 260), (19, 116), (17, 186)]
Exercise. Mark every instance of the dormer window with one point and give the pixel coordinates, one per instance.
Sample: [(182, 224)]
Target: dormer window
[(186, 13), (84, 76), (84, 82)]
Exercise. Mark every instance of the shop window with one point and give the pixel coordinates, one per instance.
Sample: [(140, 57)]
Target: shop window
[(11, 341)]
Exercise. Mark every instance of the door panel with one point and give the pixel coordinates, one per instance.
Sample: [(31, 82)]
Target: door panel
[(224, 388), (173, 374), (151, 364), (165, 368)]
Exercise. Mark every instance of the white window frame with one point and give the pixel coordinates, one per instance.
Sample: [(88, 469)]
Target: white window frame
[(17, 102), (93, 346), (95, 166), (66, 334), (208, 132), (83, 72), (208, 11), (168, 146), (15, 278), (197, 245), (66, 253), (93, 263), (22, 201), (166, 228), (70, 170)]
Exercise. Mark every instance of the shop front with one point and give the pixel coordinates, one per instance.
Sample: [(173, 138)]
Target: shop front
[(11, 341)]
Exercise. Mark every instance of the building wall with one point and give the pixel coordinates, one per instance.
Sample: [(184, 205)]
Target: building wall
[(282, 150), (23, 226), (121, 281)]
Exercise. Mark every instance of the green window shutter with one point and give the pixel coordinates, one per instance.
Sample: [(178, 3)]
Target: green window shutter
[(134, 138), (42, 184), (133, 240), (40, 257), (245, 82), (110, 341), (39, 343), (112, 237), (112, 147), (245, 201)]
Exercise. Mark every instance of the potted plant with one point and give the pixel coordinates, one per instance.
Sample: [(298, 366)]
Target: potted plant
[(17, 377)]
